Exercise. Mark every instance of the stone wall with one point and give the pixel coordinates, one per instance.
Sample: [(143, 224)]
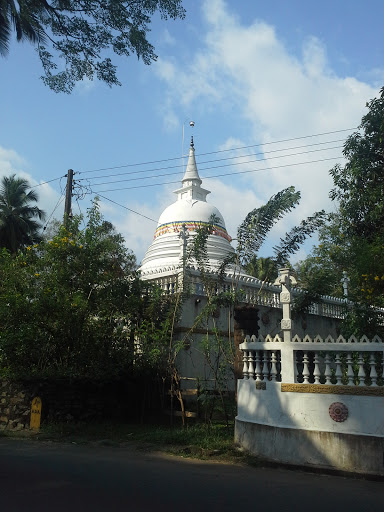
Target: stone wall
[(75, 400), (15, 406)]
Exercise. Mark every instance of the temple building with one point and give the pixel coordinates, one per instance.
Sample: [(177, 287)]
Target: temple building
[(180, 221), (167, 261)]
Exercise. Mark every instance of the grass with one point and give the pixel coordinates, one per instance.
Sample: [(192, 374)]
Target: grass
[(201, 441)]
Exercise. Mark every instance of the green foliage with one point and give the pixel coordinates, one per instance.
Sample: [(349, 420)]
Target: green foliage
[(73, 306), (18, 214), (265, 269), (82, 32), (359, 184), (298, 234), (17, 16), (353, 238), (253, 230)]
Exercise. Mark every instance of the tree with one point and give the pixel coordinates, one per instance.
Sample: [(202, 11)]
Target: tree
[(264, 269), (15, 15), (254, 229), (353, 238), (18, 214), (359, 184), (74, 306), (83, 33)]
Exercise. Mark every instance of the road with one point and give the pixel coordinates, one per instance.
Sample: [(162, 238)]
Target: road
[(37, 476)]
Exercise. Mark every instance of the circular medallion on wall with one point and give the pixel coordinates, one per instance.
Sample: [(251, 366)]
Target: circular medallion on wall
[(338, 411)]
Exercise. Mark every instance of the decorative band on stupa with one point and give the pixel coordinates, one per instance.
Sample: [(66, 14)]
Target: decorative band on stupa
[(175, 227)]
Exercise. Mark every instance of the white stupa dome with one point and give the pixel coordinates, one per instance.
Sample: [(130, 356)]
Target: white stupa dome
[(180, 221)]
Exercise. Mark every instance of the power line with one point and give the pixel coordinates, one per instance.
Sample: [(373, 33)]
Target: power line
[(216, 166), (216, 152), (55, 208), (217, 160), (50, 181), (221, 175), (126, 207)]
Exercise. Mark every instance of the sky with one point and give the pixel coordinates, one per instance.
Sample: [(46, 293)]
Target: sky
[(274, 88)]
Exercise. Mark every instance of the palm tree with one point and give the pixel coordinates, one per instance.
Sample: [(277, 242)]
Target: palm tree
[(23, 18), (18, 224), (264, 269)]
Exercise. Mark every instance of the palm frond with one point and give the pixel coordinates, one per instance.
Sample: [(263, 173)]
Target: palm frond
[(256, 225), (294, 238), (19, 217)]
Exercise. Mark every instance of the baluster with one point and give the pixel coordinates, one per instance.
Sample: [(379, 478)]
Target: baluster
[(278, 365), (273, 366), (316, 372), (298, 374), (251, 365), (258, 366), (327, 373), (372, 364), (350, 374), (265, 367), (361, 374), (245, 364), (306, 368), (339, 373)]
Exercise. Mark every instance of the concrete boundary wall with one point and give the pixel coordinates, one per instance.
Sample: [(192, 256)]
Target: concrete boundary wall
[(328, 450), (309, 411)]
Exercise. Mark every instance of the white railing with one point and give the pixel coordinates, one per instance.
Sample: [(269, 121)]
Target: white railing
[(254, 291), (351, 362)]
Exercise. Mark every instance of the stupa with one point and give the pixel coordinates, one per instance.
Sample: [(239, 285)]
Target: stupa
[(180, 221)]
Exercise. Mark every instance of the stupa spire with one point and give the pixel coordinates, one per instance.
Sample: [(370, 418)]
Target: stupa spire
[(191, 172), (191, 183)]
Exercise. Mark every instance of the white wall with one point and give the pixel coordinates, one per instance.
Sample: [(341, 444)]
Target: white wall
[(308, 411)]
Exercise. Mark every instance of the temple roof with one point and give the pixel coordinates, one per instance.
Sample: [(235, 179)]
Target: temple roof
[(187, 214)]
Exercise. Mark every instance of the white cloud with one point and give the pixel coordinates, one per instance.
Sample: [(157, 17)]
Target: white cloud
[(234, 203), (85, 86), (167, 39), (279, 96)]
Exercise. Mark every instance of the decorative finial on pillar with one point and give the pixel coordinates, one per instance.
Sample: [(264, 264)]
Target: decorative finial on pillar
[(345, 280), (286, 280), (192, 145)]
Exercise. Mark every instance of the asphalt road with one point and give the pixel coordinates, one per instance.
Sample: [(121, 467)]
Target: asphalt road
[(36, 476)]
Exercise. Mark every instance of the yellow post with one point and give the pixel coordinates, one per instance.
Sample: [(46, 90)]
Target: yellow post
[(35, 413)]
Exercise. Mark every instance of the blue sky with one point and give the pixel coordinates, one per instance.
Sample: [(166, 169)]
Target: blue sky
[(248, 73)]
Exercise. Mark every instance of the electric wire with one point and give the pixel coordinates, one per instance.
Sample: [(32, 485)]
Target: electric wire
[(86, 189), (49, 181), (215, 166), (202, 154), (126, 207), (81, 213), (220, 160), (61, 198), (222, 175), (217, 152)]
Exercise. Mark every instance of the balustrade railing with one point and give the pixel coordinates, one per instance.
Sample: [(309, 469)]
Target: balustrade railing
[(349, 362), (254, 292), (262, 365), (352, 362)]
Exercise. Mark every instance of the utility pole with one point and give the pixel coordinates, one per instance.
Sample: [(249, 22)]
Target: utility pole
[(68, 197)]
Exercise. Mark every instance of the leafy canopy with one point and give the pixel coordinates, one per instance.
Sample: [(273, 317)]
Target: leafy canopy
[(353, 238), (83, 33), (74, 306), (359, 184)]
